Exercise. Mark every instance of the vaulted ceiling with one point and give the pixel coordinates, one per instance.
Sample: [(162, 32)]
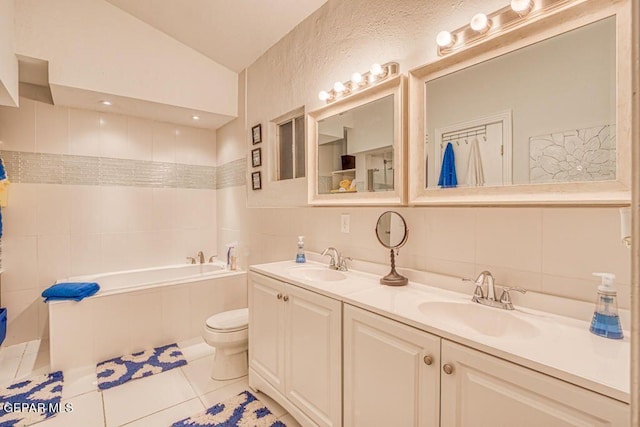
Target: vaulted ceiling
[(233, 33)]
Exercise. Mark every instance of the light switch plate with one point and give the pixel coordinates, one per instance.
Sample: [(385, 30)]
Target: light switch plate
[(344, 223)]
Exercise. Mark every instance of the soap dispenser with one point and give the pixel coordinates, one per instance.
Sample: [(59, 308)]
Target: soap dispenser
[(300, 257), (606, 321)]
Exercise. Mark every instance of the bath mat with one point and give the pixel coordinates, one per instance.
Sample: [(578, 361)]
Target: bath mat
[(32, 400), (243, 410), (121, 369)]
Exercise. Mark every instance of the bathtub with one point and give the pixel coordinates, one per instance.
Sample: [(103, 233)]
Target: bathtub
[(140, 309)]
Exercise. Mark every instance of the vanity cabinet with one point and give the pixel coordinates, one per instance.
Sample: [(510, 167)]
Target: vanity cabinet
[(395, 374), (391, 372), (482, 390), (295, 347)]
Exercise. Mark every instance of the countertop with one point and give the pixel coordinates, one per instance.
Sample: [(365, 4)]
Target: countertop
[(561, 347)]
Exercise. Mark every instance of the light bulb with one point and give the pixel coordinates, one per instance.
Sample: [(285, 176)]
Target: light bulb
[(376, 69), (521, 7), (445, 39), (324, 95), (339, 87), (356, 78), (480, 23)]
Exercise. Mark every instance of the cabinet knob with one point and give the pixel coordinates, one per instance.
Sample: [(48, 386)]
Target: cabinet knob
[(286, 298), (428, 360), (448, 369), (279, 296)]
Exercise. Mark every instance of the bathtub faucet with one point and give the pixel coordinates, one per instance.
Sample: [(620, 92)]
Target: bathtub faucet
[(200, 256)]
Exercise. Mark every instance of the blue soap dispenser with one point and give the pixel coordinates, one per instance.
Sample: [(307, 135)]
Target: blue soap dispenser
[(300, 257), (606, 322)]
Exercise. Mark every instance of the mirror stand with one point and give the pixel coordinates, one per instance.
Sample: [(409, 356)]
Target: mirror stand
[(394, 278)]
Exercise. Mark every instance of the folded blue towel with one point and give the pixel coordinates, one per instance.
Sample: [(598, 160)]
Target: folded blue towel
[(448, 176), (70, 291)]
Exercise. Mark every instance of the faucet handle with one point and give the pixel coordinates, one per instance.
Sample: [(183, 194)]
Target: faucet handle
[(191, 259), (343, 263), (212, 258), (477, 293), (505, 298)]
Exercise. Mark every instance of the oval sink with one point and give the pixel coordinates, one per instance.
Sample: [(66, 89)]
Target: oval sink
[(484, 320), (317, 274)]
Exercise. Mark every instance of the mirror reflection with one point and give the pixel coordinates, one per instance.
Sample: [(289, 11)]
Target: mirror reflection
[(541, 114), (355, 149), (391, 230)]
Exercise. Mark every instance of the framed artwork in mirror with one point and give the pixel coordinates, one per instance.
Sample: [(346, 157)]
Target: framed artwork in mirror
[(256, 157), (256, 134), (256, 180)]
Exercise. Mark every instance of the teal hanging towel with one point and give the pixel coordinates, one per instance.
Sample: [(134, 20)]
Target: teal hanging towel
[(448, 178)]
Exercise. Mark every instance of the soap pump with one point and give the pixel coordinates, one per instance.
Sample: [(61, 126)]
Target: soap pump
[(300, 257), (606, 322)]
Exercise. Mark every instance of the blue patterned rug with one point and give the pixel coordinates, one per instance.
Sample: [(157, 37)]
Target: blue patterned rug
[(31, 400), (118, 371), (243, 410)]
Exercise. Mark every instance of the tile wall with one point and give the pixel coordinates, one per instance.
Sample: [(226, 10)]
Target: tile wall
[(97, 192)]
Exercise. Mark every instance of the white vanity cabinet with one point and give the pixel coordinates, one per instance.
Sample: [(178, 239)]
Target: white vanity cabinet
[(388, 383), (391, 372), (482, 390), (295, 349)]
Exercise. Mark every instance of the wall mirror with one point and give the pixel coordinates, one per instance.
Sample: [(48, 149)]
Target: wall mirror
[(356, 148), (536, 115)]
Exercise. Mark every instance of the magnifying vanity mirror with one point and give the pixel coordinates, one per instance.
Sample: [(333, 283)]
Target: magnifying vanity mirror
[(538, 115), (392, 233), (356, 148)]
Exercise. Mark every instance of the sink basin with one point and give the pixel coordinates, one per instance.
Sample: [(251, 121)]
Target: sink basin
[(317, 274), (483, 320)]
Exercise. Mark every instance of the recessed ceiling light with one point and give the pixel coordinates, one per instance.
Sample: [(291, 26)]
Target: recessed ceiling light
[(195, 117), (106, 103)]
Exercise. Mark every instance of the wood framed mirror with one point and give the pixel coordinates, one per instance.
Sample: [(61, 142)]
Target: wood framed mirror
[(357, 148), (538, 114)]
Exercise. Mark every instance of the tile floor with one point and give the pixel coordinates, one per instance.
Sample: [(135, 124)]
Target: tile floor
[(155, 401)]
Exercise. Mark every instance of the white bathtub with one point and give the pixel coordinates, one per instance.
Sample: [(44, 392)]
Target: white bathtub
[(140, 309)]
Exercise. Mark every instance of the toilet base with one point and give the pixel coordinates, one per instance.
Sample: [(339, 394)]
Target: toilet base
[(229, 366)]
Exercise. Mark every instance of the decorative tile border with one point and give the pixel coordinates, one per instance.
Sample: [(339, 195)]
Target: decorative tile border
[(43, 168), (232, 174)]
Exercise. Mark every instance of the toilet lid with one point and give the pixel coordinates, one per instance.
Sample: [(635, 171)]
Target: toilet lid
[(232, 320)]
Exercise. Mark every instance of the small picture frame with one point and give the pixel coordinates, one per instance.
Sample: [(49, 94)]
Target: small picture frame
[(256, 157), (256, 134), (256, 180)]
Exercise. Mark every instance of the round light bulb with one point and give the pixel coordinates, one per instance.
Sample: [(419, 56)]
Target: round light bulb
[(376, 69), (480, 23), (323, 95), (339, 87), (445, 39), (521, 7), (356, 78)]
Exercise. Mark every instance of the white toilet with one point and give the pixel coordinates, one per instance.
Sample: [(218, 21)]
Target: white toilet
[(228, 333)]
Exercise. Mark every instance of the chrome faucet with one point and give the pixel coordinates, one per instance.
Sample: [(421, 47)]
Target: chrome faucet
[(337, 262), (489, 297)]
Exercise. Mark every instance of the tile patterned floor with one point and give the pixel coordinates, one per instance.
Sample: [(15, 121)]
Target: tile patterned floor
[(158, 400)]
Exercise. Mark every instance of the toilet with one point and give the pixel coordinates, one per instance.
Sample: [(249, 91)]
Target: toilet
[(228, 333)]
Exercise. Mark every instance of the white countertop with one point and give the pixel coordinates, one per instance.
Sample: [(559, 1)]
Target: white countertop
[(561, 346)]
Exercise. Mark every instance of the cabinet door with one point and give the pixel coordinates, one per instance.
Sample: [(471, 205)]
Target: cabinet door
[(483, 390), (313, 356), (391, 372), (266, 328)]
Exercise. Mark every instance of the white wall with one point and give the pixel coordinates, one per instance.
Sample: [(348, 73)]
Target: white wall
[(551, 250), (55, 231), (564, 83), (95, 46), (8, 60)]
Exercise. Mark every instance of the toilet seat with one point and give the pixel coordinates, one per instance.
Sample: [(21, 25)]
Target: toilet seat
[(229, 321)]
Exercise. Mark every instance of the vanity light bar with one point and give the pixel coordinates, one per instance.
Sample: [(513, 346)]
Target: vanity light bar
[(482, 25), (358, 81)]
